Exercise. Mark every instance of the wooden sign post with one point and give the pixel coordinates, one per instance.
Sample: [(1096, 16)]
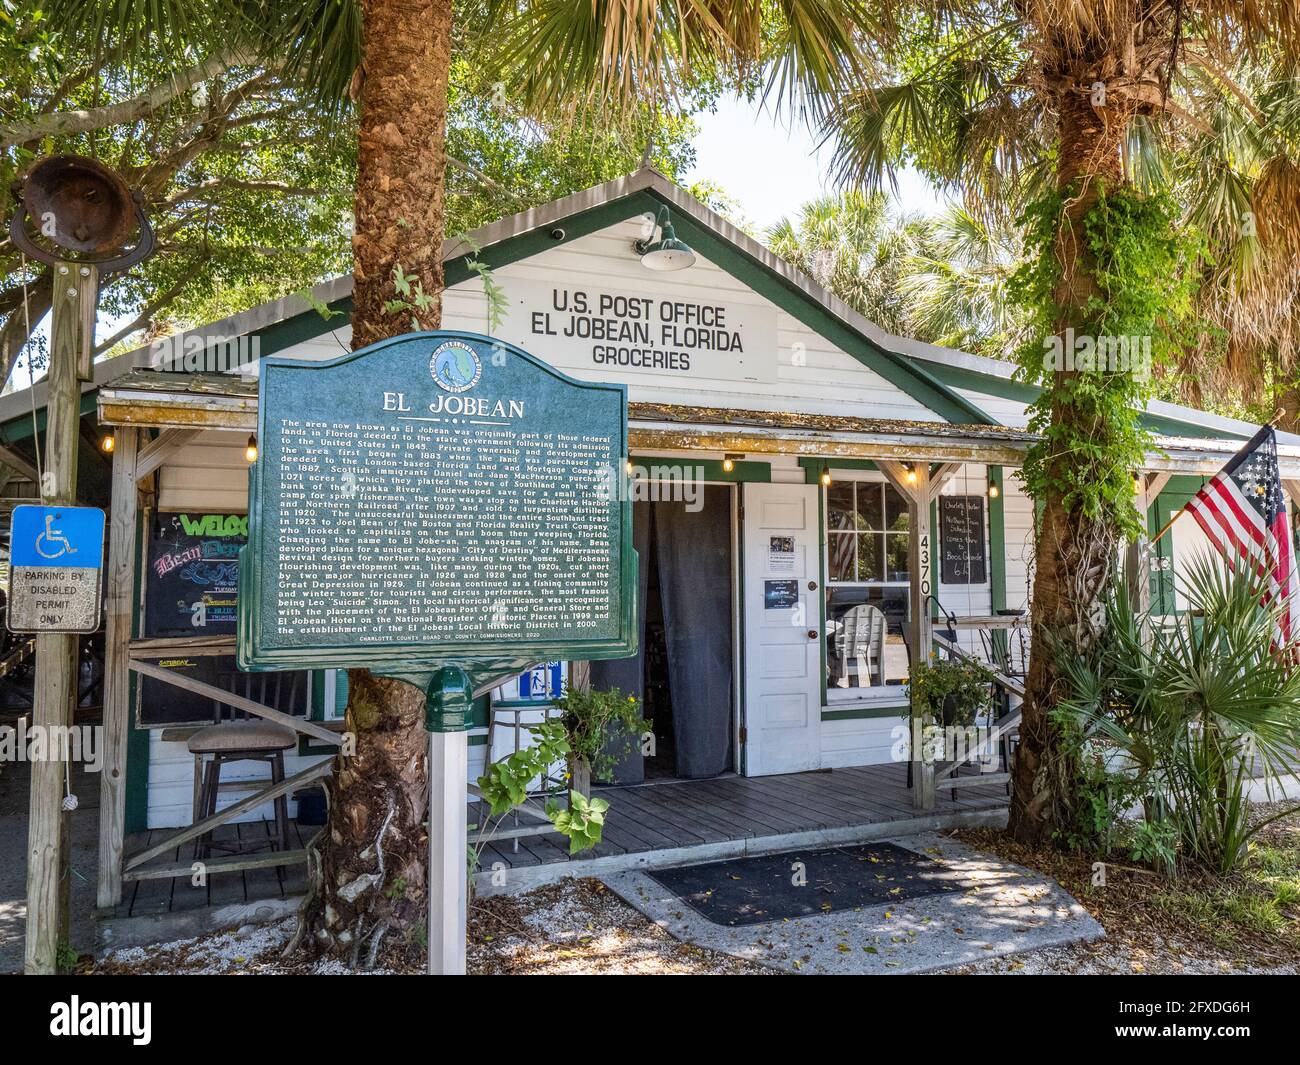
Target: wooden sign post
[(71, 332), (445, 509)]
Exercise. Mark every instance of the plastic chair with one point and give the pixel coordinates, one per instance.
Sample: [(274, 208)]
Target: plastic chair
[(861, 639)]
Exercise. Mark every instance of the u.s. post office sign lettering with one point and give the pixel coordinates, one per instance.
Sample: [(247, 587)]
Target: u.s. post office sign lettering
[(599, 329), (440, 496)]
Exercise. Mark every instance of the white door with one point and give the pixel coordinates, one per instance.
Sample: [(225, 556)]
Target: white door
[(782, 629)]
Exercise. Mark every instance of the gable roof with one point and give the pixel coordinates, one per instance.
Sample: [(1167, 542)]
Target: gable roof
[(935, 376)]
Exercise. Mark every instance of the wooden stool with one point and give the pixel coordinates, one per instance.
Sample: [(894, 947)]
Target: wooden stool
[(239, 741)]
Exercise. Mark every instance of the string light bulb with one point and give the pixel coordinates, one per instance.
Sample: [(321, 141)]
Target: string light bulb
[(911, 474), (993, 491), (250, 452), (826, 477), (107, 443), (729, 461)]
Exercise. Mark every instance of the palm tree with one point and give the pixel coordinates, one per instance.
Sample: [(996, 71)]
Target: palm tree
[(847, 243), (1003, 100), (1238, 176), (393, 59), (957, 283)]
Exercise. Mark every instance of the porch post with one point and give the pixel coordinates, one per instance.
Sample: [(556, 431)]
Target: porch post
[(919, 561), (117, 678), (914, 484)]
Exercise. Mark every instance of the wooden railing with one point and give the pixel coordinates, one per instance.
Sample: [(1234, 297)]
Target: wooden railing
[(1003, 728), (134, 867)]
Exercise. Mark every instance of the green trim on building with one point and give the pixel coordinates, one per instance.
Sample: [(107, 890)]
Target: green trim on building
[(822, 581), (741, 472), (305, 326), (989, 384), (997, 541), (1176, 493), (812, 467), (1019, 392), (20, 427), (863, 712), (897, 369), (997, 554)]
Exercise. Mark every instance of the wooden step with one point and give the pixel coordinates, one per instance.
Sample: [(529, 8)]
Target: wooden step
[(969, 782)]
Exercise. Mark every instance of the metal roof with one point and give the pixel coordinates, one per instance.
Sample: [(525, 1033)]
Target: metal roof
[(995, 372)]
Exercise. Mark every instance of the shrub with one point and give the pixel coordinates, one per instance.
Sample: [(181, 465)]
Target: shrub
[(1178, 718)]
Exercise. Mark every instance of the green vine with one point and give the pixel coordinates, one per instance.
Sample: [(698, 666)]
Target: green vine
[(1139, 317)]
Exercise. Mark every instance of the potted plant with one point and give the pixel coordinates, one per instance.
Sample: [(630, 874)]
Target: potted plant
[(601, 727), (949, 694)]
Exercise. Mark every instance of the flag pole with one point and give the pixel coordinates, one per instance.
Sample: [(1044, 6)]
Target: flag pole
[(1281, 412)]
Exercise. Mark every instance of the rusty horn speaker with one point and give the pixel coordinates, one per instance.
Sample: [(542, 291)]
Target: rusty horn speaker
[(82, 206)]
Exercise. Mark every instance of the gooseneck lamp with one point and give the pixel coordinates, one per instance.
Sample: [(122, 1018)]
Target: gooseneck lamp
[(667, 253)]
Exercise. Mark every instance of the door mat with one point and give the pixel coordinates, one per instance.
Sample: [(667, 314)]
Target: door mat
[(774, 887)]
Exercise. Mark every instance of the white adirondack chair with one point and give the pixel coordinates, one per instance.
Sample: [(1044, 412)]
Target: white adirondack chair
[(860, 645)]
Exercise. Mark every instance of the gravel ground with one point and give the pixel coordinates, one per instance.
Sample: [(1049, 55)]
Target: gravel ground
[(251, 950), (1164, 957), (580, 926)]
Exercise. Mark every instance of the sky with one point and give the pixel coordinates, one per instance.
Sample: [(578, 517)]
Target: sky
[(771, 165)]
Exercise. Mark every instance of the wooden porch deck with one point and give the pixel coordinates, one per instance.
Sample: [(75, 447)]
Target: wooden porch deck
[(681, 822), (154, 897), (655, 824)]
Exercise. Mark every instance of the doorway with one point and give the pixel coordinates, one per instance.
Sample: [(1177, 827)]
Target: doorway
[(684, 671)]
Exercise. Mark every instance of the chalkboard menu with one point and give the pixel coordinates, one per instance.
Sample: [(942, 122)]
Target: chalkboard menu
[(433, 497), (961, 540), (193, 574)]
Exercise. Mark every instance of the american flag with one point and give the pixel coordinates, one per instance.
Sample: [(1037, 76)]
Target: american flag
[(1242, 509)]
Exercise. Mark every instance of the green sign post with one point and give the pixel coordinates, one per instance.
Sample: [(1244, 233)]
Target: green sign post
[(443, 508)]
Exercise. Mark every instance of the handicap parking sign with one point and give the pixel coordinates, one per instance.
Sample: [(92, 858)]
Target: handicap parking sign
[(56, 559)]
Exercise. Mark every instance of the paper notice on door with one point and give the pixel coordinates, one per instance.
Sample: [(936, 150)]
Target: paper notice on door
[(780, 554), (780, 595)]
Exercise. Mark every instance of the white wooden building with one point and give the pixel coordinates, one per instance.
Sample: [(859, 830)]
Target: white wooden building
[(823, 449)]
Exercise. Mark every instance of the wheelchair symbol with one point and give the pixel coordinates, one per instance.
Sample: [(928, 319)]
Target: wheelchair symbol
[(51, 536)]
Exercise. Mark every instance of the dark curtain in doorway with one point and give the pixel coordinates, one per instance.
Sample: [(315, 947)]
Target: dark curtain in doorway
[(694, 556), (628, 674)]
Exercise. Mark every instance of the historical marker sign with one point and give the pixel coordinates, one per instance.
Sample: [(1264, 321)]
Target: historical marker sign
[(56, 559), (437, 498)]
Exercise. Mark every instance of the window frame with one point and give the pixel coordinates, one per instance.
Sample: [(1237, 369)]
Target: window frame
[(834, 698)]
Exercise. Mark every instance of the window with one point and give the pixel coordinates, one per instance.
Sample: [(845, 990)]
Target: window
[(867, 588), (866, 532)]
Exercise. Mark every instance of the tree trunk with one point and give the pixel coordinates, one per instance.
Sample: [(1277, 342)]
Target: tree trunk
[(373, 858), (1074, 557), (401, 162)]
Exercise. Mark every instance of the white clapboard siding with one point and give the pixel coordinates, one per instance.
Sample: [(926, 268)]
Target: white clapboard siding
[(1018, 515), (812, 374), (860, 741), (171, 782), (1006, 411), (207, 476)]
